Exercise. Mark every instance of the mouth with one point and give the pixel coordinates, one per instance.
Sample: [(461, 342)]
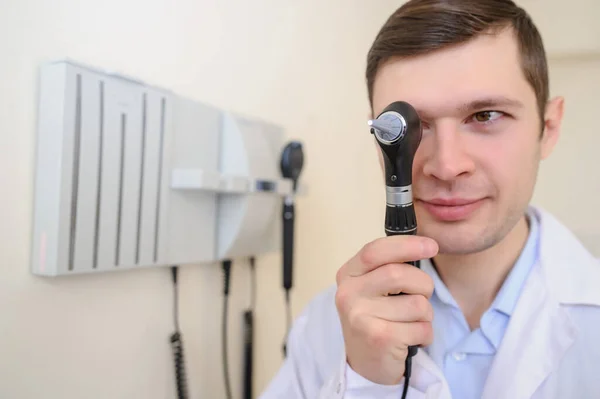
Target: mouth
[(451, 209)]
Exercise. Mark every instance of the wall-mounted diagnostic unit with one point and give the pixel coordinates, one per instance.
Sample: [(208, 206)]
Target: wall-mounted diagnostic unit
[(129, 175)]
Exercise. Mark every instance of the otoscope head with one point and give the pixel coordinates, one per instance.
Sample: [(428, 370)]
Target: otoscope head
[(292, 161), (388, 128), (398, 132)]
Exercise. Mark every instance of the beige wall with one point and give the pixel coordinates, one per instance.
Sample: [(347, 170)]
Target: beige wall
[(569, 181), (296, 63)]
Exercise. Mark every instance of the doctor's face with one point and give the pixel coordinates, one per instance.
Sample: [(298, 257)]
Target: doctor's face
[(476, 167)]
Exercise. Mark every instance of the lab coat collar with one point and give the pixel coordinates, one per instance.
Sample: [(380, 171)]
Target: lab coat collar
[(540, 330), (428, 378), (570, 271)]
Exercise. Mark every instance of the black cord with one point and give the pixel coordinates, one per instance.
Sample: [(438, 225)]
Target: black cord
[(174, 271), (249, 335), (288, 323), (412, 351), (252, 284), (288, 305), (177, 343), (407, 372), (226, 265)]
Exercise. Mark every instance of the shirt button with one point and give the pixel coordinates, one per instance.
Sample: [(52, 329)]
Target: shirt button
[(459, 356)]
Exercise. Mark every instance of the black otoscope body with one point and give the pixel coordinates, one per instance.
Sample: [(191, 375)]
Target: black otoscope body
[(292, 161), (398, 132)]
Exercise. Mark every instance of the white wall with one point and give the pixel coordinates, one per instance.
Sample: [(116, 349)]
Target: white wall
[(296, 63), (299, 64), (567, 27), (569, 181)]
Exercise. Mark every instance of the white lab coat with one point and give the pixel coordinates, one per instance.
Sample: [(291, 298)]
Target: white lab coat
[(551, 348)]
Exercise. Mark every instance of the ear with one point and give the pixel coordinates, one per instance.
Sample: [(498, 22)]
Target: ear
[(552, 125)]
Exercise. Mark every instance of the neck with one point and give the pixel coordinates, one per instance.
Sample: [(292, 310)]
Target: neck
[(475, 279)]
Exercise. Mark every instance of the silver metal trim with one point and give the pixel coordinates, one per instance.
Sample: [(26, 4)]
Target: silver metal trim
[(401, 231), (398, 195)]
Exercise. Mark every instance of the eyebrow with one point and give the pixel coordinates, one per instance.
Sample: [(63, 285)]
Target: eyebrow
[(490, 102), (487, 103)]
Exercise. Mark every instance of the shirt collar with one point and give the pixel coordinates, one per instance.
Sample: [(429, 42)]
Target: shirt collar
[(508, 295), (440, 291), (506, 300)]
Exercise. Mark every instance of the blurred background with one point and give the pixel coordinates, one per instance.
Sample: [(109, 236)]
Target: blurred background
[(299, 64)]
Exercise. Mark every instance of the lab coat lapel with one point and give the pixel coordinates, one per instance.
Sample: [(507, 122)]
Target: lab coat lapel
[(539, 333), (428, 374), (540, 330)]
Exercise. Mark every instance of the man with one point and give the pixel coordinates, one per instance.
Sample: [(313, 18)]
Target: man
[(507, 301)]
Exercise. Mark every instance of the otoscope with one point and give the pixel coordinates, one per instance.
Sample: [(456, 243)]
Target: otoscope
[(292, 161), (398, 132)]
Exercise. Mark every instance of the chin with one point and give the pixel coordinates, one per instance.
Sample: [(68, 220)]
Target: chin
[(482, 230), (465, 244), (461, 240), (474, 234)]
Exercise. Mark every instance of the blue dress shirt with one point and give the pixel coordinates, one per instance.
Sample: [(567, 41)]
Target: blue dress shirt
[(466, 356)]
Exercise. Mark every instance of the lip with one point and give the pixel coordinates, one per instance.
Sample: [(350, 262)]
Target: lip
[(451, 209)]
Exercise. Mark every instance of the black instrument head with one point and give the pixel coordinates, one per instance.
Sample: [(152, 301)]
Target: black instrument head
[(292, 161), (398, 131)]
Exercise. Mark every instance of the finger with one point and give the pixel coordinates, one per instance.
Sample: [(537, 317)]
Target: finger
[(402, 309), (386, 335), (394, 279), (392, 249), (419, 333)]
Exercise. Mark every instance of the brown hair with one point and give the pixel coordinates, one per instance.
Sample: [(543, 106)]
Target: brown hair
[(422, 26)]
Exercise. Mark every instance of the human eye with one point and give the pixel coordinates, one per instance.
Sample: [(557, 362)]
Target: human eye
[(487, 117)]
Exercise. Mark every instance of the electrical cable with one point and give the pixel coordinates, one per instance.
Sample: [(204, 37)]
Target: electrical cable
[(288, 323), (288, 305), (174, 272), (226, 266), (249, 334), (252, 283), (177, 342), (407, 372)]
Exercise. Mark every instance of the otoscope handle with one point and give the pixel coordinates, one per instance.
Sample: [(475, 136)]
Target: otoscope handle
[(288, 244), (401, 220)]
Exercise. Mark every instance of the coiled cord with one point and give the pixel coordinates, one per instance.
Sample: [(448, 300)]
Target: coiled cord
[(226, 265), (177, 343), (180, 376)]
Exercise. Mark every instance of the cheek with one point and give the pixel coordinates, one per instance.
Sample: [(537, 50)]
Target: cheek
[(509, 162), (502, 160)]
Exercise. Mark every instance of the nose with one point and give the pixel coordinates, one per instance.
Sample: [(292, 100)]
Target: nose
[(447, 157)]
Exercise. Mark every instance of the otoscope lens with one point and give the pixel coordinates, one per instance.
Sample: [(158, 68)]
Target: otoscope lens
[(395, 127)]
